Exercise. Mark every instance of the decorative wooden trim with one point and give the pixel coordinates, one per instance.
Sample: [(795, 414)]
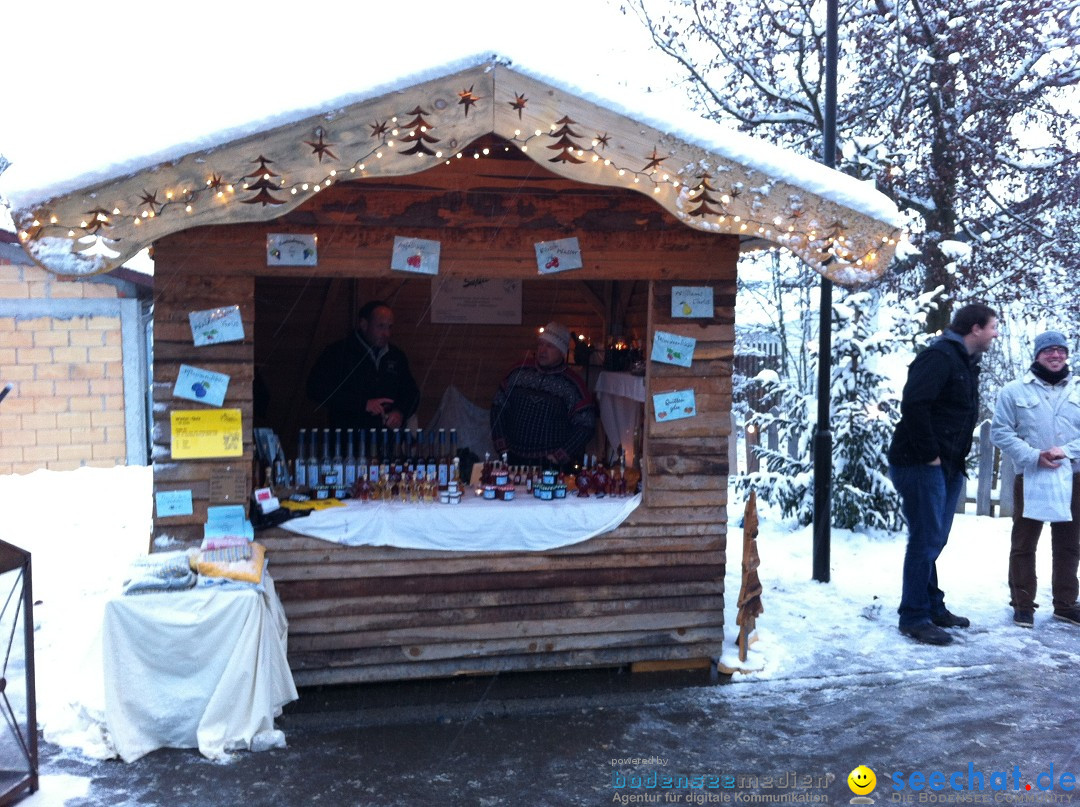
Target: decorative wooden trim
[(260, 177)]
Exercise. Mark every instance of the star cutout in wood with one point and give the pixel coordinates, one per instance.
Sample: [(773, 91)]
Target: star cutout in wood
[(518, 104), (98, 218), (654, 161), (150, 200), (215, 182), (321, 148), (466, 98), (602, 140), (378, 129)]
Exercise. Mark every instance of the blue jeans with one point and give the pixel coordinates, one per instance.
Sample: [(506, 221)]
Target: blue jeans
[(928, 497)]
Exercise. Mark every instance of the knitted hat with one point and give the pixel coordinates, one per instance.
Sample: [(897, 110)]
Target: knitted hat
[(556, 335), (1049, 339)]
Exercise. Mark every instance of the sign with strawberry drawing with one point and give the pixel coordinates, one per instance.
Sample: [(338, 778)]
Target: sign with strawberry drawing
[(674, 405), (416, 255)]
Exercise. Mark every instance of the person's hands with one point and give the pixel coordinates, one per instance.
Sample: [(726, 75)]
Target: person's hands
[(937, 461), (377, 406), (393, 419), (1051, 457)]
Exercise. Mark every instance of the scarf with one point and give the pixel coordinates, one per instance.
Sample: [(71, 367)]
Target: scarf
[(1049, 376)]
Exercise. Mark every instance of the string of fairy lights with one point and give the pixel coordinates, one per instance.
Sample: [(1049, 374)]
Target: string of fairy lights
[(719, 210)]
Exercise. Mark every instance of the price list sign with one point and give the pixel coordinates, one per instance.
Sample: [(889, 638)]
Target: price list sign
[(203, 433)]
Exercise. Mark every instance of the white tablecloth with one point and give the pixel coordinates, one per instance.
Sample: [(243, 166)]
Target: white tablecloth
[(621, 396), (203, 668), (476, 524)]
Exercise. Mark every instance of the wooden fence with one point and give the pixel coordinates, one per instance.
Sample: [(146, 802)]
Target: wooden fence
[(990, 490)]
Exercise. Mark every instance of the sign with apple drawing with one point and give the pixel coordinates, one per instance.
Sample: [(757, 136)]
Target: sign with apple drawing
[(674, 405)]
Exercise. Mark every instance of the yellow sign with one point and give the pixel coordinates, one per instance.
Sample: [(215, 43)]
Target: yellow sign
[(201, 433)]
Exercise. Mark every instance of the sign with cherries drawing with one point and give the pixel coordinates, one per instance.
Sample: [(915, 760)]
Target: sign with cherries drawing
[(670, 348), (558, 255), (417, 255), (674, 405)]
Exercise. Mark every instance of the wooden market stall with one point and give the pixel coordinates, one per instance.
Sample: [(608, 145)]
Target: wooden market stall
[(488, 162)]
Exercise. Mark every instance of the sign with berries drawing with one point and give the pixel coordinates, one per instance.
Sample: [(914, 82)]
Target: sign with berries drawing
[(417, 255), (558, 255), (674, 405), (216, 325), (204, 386), (670, 348)]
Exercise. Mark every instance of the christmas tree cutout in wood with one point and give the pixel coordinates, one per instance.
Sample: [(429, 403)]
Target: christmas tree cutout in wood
[(564, 143), (419, 134), (263, 185)]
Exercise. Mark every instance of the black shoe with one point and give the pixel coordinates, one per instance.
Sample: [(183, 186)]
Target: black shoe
[(947, 619), (927, 634), (1070, 614), (1024, 617)]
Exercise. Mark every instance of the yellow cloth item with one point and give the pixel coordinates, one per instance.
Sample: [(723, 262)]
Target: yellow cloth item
[(247, 571)]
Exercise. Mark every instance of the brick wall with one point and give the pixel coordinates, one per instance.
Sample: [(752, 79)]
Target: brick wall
[(66, 408)]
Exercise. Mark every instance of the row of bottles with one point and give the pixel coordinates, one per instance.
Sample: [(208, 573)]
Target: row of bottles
[(374, 455), (591, 478)]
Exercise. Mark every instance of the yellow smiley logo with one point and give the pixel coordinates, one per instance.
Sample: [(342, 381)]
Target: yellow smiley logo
[(861, 780)]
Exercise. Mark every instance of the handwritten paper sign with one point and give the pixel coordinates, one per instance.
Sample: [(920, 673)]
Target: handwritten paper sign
[(418, 255), (201, 433), (204, 386), (480, 300), (292, 249), (670, 348), (674, 405), (692, 301), (173, 503), (557, 256), (216, 325)]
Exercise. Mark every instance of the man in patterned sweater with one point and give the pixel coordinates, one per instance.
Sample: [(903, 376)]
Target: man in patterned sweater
[(543, 414)]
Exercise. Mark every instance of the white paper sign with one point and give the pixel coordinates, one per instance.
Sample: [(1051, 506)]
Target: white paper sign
[(204, 386), (558, 256), (674, 405), (480, 300), (692, 301), (419, 255), (173, 503), (292, 249), (216, 325), (670, 348)]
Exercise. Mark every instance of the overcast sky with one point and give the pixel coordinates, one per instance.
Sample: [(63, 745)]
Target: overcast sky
[(88, 88)]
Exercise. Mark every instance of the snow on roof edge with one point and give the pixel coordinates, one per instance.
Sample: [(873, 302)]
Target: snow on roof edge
[(739, 147)]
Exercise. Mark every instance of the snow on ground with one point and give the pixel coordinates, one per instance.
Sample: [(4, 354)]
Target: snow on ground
[(84, 527)]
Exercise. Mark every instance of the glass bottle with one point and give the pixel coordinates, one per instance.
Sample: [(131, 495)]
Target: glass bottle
[(431, 472), (361, 461), (387, 463), (420, 461), (313, 461), (301, 461), (444, 464), (350, 460), (337, 462), (399, 456), (374, 466)]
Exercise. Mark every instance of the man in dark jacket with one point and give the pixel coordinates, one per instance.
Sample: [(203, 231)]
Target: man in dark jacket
[(542, 413), (938, 411), (363, 381)]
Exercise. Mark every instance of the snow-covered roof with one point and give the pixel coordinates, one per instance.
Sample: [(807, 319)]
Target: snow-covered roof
[(710, 177)]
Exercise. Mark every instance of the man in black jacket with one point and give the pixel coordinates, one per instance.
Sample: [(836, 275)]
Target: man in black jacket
[(938, 411), (363, 381)]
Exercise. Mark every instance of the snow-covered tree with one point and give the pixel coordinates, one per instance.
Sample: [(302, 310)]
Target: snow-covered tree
[(865, 401), (962, 111)]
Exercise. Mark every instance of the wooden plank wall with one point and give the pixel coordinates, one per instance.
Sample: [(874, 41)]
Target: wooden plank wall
[(650, 590)]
